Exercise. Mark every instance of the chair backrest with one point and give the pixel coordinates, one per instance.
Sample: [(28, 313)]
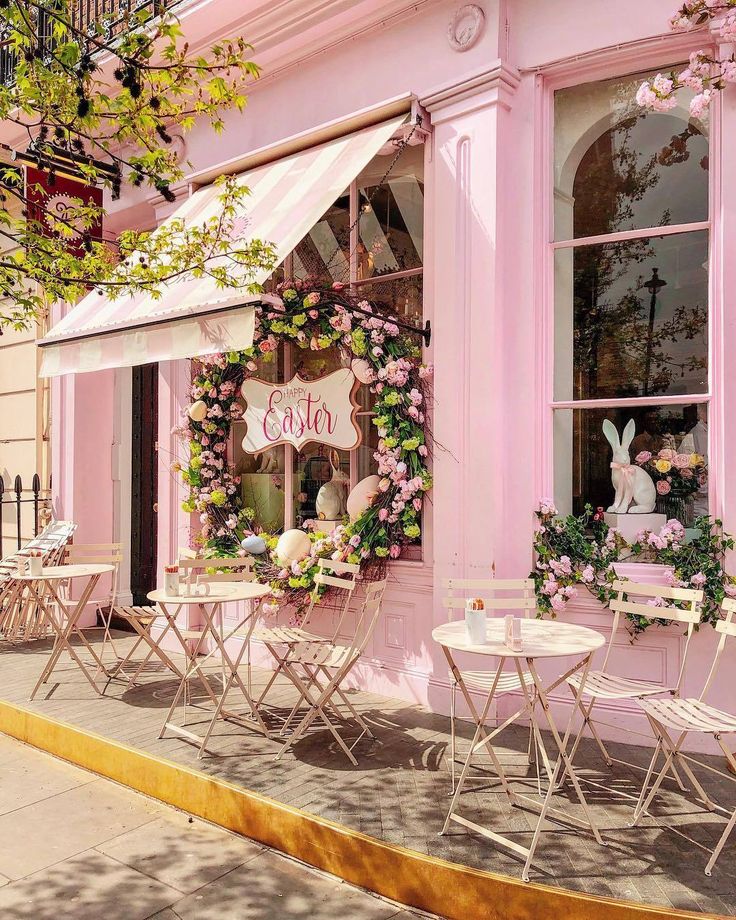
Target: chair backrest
[(96, 553), (236, 565), (184, 552), (498, 594), (367, 619), (727, 629), (655, 609), (341, 576)]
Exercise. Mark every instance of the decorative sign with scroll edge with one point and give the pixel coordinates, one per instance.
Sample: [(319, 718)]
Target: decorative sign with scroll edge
[(301, 411)]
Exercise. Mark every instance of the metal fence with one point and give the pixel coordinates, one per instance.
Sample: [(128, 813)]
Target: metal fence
[(86, 15), (13, 499)]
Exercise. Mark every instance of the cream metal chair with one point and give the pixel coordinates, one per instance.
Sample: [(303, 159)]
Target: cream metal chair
[(603, 685), (672, 720), (21, 619), (280, 640), (318, 670), (500, 596), (107, 554)]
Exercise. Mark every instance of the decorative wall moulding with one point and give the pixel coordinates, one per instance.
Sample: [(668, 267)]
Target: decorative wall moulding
[(466, 27), (492, 85)]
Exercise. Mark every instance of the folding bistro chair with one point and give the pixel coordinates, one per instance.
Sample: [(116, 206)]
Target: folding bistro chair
[(318, 670), (107, 554), (602, 685), (500, 595), (672, 720), (280, 640), (21, 618)]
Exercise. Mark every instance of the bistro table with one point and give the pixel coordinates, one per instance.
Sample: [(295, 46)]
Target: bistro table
[(210, 598), (541, 639), (63, 614)]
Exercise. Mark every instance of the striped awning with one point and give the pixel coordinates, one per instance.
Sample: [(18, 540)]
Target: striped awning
[(193, 316)]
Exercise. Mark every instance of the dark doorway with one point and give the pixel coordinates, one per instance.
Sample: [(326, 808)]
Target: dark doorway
[(144, 482)]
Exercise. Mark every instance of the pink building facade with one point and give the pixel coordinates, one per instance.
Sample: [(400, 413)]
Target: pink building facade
[(527, 126)]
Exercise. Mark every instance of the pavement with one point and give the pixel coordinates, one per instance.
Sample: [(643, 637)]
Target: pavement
[(75, 845)]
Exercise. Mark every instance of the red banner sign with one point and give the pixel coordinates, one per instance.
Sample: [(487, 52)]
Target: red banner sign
[(50, 204)]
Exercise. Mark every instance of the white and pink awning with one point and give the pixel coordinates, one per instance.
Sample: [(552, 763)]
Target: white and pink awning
[(193, 316)]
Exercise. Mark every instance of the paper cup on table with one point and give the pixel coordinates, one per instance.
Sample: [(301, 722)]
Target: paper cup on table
[(475, 621)]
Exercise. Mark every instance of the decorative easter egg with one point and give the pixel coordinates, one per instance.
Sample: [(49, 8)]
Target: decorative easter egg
[(362, 496), (198, 411), (363, 370), (254, 544), (293, 546)]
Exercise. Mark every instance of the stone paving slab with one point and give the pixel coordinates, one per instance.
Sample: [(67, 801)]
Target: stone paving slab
[(173, 867), (399, 791)]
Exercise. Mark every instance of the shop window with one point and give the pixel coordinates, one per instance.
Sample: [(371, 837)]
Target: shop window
[(631, 309), (372, 238)]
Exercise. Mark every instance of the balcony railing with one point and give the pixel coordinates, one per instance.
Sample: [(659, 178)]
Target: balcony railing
[(86, 16)]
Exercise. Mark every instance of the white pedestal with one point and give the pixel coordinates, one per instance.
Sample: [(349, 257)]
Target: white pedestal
[(326, 526), (629, 525)]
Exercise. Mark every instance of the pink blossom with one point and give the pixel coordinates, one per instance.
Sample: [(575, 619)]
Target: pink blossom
[(698, 580), (558, 602), (417, 503), (663, 487), (422, 450), (549, 587), (547, 507), (699, 104), (382, 514), (394, 551), (588, 574)]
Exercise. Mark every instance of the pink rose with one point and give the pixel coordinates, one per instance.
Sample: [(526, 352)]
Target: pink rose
[(663, 487), (643, 456), (681, 461), (666, 453)]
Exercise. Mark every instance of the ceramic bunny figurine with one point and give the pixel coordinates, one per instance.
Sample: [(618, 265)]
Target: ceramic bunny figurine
[(330, 503), (635, 492)]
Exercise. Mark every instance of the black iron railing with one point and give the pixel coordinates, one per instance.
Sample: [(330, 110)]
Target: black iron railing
[(13, 498), (87, 15)]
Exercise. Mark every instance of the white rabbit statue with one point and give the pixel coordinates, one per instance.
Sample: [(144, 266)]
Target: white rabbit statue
[(635, 491), (330, 503)]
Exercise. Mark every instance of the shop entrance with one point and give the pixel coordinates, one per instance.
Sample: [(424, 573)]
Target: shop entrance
[(144, 482)]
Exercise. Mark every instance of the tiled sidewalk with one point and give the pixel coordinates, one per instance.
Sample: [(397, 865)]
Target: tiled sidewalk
[(75, 845)]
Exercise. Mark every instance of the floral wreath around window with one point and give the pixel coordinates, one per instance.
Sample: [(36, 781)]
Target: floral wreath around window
[(313, 316)]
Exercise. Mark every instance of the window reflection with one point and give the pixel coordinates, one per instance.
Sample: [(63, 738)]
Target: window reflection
[(619, 168), (631, 318)]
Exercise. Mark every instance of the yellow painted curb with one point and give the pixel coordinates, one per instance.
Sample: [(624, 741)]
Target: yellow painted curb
[(449, 889)]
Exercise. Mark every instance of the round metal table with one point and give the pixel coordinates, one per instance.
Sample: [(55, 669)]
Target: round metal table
[(193, 643), (541, 639)]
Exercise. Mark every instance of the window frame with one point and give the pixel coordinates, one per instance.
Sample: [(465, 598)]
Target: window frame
[(412, 552), (630, 62)]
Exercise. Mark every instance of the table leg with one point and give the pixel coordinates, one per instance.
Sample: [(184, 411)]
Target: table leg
[(562, 759), (64, 632)]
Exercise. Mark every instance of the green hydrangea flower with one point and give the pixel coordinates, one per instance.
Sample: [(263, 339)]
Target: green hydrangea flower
[(412, 531), (218, 498), (410, 443)]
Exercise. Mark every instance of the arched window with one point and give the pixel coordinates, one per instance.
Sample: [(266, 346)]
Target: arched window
[(631, 287)]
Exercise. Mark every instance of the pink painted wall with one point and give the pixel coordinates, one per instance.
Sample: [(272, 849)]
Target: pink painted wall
[(487, 225)]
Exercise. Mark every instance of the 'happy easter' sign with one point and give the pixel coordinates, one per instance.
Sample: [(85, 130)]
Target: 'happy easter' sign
[(301, 411)]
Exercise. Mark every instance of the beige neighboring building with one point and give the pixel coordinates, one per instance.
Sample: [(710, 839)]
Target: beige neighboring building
[(24, 429)]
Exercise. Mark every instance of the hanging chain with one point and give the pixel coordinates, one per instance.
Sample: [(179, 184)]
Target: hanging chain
[(400, 148)]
